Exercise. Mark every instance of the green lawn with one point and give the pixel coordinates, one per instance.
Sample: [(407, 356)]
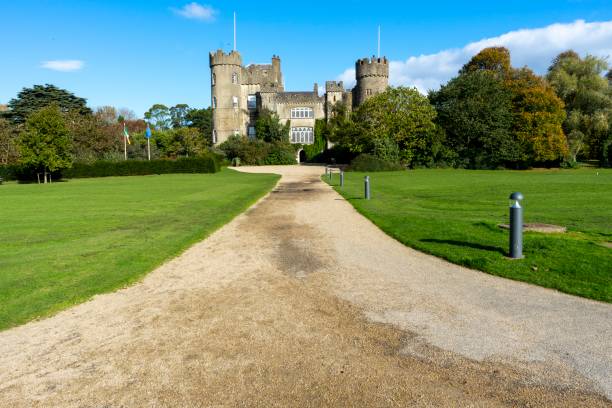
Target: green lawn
[(62, 243), (454, 214)]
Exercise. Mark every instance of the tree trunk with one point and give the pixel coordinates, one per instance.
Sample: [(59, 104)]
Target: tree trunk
[(45, 175)]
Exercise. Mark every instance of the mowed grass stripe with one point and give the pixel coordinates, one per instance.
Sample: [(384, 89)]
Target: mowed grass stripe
[(60, 244), (453, 214)]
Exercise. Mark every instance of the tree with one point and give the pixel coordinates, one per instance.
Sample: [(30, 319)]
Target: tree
[(475, 109), (398, 120), (159, 116), (178, 115), (9, 152), (201, 119), (45, 143), (538, 117), (268, 127), (30, 100), (587, 95), (107, 114), (495, 59)]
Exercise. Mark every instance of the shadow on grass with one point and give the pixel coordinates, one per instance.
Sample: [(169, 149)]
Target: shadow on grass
[(489, 248)]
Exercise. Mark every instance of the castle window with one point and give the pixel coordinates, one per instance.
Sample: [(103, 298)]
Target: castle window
[(334, 98), (235, 101), (251, 101), (368, 92), (298, 113), (251, 132), (213, 79), (234, 78), (214, 136), (214, 103), (303, 135)]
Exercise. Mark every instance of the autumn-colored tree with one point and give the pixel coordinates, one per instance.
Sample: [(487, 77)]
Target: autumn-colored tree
[(496, 59), (538, 117), (9, 152)]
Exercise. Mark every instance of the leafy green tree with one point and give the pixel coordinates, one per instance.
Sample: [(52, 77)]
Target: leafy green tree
[(475, 109), (402, 117), (587, 95), (202, 120), (268, 127), (159, 116), (45, 143), (9, 152), (179, 114), (30, 100)]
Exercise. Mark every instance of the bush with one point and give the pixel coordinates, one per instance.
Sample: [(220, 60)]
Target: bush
[(368, 162), (258, 152), (203, 164)]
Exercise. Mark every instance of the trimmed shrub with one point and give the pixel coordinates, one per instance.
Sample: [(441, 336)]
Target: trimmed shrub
[(204, 164), (368, 162), (258, 152)]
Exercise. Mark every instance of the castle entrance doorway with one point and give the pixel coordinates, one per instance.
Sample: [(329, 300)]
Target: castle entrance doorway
[(302, 156)]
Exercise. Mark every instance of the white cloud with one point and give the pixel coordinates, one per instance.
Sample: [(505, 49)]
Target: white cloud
[(195, 11), (532, 47), (63, 65)]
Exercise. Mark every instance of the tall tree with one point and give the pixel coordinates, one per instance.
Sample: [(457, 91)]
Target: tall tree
[(202, 120), (475, 109), (45, 143), (538, 117), (179, 114), (581, 84), (159, 116), (399, 119), (30, 100), (495, 59)]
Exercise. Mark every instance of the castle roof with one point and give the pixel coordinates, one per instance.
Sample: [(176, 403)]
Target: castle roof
[(298, 97)]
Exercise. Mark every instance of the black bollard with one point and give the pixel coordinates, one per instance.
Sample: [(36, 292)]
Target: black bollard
[(366, 184)]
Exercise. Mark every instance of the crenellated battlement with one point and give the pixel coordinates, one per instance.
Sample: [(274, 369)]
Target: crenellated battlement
[(221, 58), (334, 86), (374, 66)]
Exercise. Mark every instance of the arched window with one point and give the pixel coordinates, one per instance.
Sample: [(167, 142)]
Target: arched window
[(214, 135), (214, 103), (234, 78), (213, 79), (235, 101)]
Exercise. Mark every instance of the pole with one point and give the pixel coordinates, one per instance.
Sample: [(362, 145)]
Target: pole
[(234, 31), (378, 41), (341, 178), (149, 148), (366, 185), (125, 147)]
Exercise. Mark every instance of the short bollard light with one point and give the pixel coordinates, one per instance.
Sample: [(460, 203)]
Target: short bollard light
[(516, 226), (341, 178), (366, 184), (329, 174)]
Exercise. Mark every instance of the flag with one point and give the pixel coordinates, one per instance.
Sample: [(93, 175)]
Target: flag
[(126, 134), (148, 132)]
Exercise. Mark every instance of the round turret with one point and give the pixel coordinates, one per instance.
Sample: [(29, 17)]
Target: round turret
[(225, 71), (372, 75)]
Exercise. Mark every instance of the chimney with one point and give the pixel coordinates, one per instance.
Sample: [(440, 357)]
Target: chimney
[(316, 89)]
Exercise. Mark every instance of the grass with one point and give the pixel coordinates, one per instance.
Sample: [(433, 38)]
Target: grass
[(454, 214), (60, 244)]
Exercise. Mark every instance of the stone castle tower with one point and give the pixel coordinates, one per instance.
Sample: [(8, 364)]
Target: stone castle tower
[(372, 76), (225, 70)]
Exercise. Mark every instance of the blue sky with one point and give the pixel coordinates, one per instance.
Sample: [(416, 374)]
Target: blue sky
[(136, 53)]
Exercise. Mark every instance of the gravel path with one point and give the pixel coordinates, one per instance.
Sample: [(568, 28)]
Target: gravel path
[(302, 302)]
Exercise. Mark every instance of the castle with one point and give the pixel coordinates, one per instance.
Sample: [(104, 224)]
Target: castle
[(240, 92)]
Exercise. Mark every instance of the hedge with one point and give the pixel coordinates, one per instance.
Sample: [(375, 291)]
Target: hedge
[(105, 168), (205, 164)]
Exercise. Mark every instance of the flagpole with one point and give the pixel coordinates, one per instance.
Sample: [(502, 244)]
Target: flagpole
[(148, 149), (124, 143)]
